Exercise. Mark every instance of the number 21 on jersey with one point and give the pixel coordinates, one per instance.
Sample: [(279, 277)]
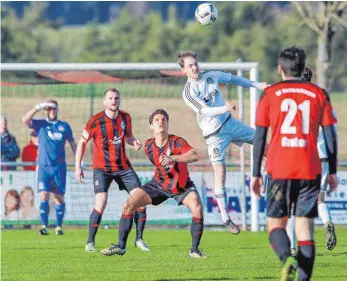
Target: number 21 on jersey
[(290, 106)]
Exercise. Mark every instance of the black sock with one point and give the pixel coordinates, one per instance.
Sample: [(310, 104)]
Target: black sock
[(125, 225), (94, 221), (140, 221), (306, 257), (280, 243), (196, 230)]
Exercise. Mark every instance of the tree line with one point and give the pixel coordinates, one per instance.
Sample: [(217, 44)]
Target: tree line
[(251, 31)]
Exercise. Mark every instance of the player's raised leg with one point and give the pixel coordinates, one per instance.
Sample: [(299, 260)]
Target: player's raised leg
[(138, 199), (221, 195), (323, 210), (193, 202)]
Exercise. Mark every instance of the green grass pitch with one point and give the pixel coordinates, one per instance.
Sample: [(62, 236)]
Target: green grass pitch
[(248, 256)]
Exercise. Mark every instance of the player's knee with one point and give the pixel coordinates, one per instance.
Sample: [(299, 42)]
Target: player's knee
[(100, 202), (304, 228), (44, 195), (197, 211), (273, 223), (59, 199), (128, 207)]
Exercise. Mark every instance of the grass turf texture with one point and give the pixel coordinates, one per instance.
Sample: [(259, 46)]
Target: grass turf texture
[(248, 256)]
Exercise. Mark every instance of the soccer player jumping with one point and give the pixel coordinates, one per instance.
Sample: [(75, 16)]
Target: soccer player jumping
[(294, 110), (110, 129), (219, 127), (51, 172), (170, 155), (323, 210)]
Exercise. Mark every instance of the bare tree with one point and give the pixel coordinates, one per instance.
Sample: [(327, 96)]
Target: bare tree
[(326, 19)]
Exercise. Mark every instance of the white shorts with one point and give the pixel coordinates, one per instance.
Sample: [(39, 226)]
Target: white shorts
[(325, 172), (233, 131)]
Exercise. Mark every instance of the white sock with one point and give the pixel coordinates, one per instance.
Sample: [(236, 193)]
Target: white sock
[(291, 232), (324, 212), (221, 198)]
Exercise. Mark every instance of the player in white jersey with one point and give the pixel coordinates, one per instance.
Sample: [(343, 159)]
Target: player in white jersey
[(219, 127), (323, 210)]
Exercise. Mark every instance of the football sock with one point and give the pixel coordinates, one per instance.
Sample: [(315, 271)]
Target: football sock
[(291, 232), (126, 222), (324, 212), (280, 243), (221, 198), (196, 230), (306, 257), (59, 211), (140, 218), (94, 221), (44, 212)]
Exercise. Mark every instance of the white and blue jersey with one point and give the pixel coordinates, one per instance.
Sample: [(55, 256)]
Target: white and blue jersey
[(52, 137), (204, 96)]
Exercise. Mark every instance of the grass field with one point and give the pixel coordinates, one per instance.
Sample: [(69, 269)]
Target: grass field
[(28, 256)]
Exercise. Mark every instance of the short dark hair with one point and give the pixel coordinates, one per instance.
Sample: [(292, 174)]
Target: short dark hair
[(185, 54), (113, 90), (292, 61), (307, 75), (158, 111)]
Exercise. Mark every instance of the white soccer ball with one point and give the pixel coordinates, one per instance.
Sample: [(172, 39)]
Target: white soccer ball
[(206, 14)]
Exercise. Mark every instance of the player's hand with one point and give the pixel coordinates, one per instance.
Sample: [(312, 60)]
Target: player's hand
[(261, 86), (231, 107), (45, 105), (332, 181), (137, 144), (79, 175), (165, 160), (257, 185)]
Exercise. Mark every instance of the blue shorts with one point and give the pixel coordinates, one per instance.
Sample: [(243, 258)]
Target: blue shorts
[(52, 179), (233, 131)]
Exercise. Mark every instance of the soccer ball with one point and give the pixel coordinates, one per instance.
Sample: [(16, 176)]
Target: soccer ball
[(206, 14)]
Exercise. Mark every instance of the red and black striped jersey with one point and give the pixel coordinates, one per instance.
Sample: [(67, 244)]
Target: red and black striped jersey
[(173, 178), (109, 140)]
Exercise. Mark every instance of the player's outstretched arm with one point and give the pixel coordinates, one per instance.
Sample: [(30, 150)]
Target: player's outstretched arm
[(243, 82), (29, 115), (188, 157), (80, 150)]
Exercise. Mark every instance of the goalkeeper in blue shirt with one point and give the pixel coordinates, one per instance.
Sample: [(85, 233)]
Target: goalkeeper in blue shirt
[(51, 171)]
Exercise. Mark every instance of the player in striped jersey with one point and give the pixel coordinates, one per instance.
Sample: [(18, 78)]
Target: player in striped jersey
[(219, 127), (170, 155), (323, 210), (110, 130)]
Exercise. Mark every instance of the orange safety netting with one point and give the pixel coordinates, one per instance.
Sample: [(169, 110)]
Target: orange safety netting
[(80, 76), (6, 84)]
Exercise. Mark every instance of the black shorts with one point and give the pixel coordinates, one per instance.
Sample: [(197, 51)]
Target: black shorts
[(303, 194), (126, 180), (158, 195)]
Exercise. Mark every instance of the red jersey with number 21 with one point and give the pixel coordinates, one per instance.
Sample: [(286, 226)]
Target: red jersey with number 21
[(294, 109)]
